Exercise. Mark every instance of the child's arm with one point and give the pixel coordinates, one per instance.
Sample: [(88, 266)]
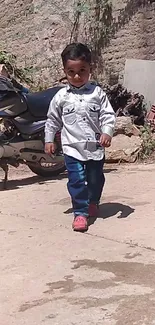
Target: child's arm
[(53, 124), (107, 119)]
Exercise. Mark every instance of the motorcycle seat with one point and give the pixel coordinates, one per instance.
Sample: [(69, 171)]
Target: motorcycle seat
[(38, 103)]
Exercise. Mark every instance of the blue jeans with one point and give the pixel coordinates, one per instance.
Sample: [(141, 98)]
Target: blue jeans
[(85, 185)]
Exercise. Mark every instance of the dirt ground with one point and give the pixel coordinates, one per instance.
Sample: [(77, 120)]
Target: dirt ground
[(51, 275)]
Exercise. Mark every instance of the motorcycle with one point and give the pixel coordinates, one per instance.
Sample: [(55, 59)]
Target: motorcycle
[(23, 117)]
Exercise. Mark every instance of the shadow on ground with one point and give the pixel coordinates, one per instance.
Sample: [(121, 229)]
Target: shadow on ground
[(111, 209), (108, 210), (110, 170), (17, 183)]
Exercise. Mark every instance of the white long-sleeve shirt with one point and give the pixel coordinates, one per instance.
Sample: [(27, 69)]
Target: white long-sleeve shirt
[(82, 114)]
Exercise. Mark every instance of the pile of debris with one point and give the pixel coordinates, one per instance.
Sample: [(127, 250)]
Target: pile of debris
[(131, 116), (127, 142), (126, 103)]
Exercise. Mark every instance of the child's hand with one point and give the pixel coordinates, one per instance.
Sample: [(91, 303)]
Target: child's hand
[(105, 140), (50, 148)]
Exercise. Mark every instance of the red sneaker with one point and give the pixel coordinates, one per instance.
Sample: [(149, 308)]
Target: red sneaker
[(93, 210), (80, 223)]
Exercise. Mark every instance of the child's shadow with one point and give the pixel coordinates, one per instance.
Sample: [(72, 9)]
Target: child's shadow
[(110, 209)]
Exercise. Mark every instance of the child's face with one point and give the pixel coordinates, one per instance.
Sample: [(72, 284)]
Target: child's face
[(77, 72)]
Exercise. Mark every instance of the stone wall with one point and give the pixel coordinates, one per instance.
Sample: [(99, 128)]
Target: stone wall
[(36, 31), (135, 40)]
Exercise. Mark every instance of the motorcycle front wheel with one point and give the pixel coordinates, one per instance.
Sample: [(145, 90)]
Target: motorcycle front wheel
[(51, 171)]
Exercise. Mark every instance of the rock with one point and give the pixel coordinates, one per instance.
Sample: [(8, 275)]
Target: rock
[(125, 126), (123, 149)]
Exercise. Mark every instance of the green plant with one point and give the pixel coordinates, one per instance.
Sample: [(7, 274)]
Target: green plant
[(22, 74), (80, 7), (96, 25), (148, 144), (97, 22), (100, 31)]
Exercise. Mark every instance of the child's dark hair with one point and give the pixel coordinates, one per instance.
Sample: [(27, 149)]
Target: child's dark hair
[(76, 51)]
